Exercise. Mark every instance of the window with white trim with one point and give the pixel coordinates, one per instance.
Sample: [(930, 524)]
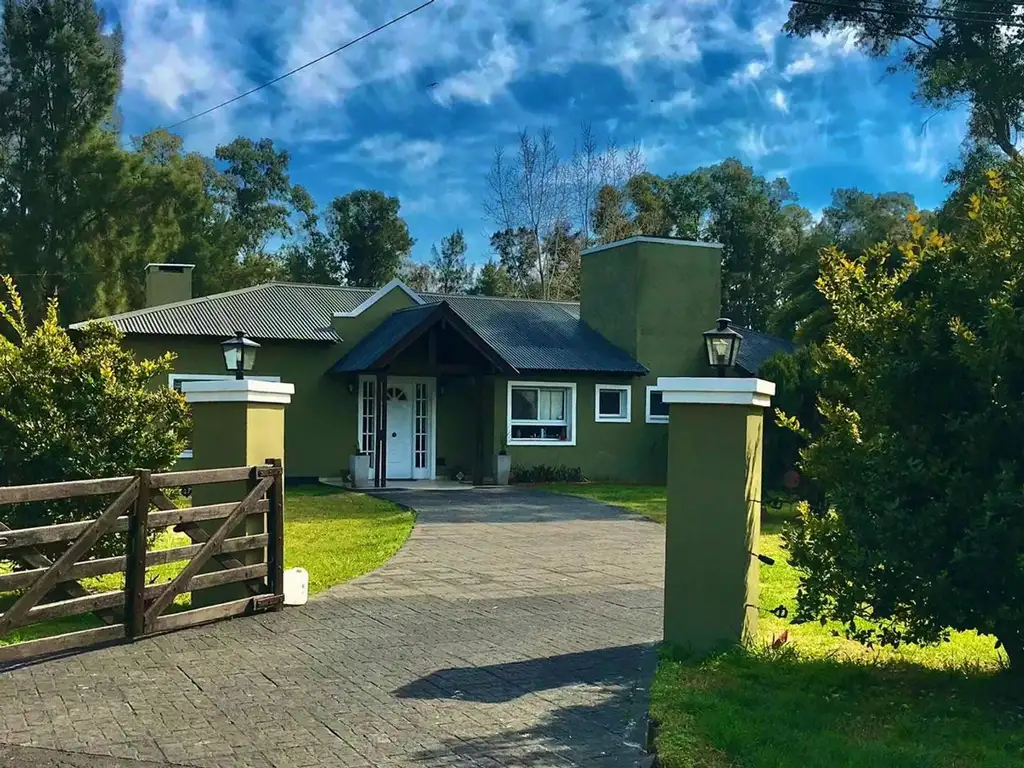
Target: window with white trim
[(612, 403), (541, 413), (175, 380), (656, 409)]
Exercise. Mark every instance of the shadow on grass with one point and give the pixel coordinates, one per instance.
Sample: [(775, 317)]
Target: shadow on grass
[(586, 708), (774, 708)]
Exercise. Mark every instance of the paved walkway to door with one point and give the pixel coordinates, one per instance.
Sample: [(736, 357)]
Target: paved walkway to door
[(513, 629)]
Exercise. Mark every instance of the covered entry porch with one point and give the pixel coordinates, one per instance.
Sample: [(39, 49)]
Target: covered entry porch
[(425, 386)]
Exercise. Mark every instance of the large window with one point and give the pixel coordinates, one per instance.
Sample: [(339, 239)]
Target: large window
[(175, 380), (612, 402), (541, 413), (657, 408)]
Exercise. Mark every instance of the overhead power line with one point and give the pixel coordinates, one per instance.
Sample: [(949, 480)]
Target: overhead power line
[(990, 18), (308, 64)]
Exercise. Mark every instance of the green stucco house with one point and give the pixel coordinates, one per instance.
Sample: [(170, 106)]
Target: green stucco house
[(433, 386)]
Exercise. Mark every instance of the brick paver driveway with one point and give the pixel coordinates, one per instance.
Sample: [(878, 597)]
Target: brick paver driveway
[(513, 629)]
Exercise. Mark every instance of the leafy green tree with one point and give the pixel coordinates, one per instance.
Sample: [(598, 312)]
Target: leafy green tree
[(311, 258), (72, 410), (369, 236), (968, 177), (255, 188), (516, 250), (419, 277), (194, 227), (753, 218), (974, 56), (918, 458), (491, 280), (797, 388), (853, 222), (610, 217), (563, 249), (450, 270), (62, 173)]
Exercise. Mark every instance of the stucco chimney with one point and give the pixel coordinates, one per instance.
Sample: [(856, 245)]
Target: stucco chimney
[(653, 297), (166, 283)]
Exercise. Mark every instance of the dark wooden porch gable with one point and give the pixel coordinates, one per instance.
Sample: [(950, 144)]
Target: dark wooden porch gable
[(441, 319)]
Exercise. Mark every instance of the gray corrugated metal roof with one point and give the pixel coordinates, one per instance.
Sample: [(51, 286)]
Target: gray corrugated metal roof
[(527, 334), (542, 336), (757, 347), (282, 311)]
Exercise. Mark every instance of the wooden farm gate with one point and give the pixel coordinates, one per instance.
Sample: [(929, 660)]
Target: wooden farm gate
[(50, 589)]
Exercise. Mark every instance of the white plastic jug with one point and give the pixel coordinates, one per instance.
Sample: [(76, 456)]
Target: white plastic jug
[(296, 586)]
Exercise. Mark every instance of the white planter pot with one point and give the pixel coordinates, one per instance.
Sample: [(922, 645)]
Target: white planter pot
[(502, 468), (359, 468)]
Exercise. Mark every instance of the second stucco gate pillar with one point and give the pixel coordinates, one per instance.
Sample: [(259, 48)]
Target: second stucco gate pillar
[(234, 424), (714, 501)]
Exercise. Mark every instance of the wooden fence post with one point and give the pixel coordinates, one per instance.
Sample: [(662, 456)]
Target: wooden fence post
[(135, 573), (275, 533)]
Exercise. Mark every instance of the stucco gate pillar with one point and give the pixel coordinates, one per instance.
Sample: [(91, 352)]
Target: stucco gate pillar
[(716, 428), (234, 423)]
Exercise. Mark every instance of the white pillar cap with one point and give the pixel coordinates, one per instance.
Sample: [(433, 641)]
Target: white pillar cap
[(238, 391), (715, 391)]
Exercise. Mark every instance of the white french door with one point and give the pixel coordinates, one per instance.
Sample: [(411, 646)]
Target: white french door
[(411, 415)]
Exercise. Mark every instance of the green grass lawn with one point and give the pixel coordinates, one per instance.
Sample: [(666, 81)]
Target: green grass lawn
[(819, 700), (336, 535)]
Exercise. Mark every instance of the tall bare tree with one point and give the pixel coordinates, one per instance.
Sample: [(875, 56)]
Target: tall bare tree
[(537, 201), (528, 192)]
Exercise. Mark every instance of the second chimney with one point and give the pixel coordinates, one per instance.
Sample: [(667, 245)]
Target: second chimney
[(166, 283)]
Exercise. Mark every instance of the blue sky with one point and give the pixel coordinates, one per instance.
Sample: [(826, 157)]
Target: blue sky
[(693, 81)]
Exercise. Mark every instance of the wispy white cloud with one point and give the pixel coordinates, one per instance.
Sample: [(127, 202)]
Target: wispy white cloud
[(802, 65), (752, 144), (779, 100), (678, 102), (662, 30), (411, 155), (750, 73), (822, 52), (480, 85)]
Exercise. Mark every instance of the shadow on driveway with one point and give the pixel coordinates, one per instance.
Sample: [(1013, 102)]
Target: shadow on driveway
[(497, 683), (607, 730)]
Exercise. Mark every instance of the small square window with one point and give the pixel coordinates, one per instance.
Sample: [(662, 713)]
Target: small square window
[(612, 402), (657, 408)]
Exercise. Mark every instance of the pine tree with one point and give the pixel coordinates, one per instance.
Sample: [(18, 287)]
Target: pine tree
[(449, 265)]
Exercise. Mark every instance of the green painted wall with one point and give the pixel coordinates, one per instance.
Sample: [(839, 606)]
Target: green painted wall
[(713, 525), (456, 438), (320, 425), (629, 452), (352, 329)]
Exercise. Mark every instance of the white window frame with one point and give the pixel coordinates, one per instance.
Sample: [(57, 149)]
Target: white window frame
[(173, 377), (653, 418), (570, 410), (605, 418)]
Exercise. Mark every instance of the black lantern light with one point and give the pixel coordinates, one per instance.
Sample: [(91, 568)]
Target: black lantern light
[(239, 354), (723, 345)]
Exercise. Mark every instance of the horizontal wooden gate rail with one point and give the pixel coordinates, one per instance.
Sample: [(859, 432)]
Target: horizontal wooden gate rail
[(51, 589)]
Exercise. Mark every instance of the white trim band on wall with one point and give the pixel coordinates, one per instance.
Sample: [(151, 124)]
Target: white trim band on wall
[(713, 391), (238, 391)]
